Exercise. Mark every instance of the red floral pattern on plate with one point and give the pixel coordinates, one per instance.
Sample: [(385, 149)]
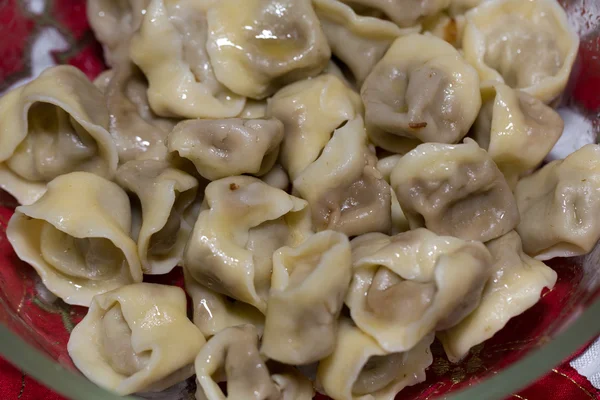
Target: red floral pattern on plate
[(44, 321)]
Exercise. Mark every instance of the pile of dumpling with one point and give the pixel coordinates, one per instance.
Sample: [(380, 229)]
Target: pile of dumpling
[(341, 181)]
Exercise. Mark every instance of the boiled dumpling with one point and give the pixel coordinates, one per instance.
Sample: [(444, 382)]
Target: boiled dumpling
[(559, 206), (170, 48), (243, 222), (526, 44), (258, 46), (214, 311), (405, 13), (308, 287), (410, 284), (345, 191), (54, 125), (516, 285), (359, 369), (165, 195), (136, 338), (516, 129), (232, 355), (310, 111), (422, 90), (76, 236), (455, 190), (358, 41), (228, 147)]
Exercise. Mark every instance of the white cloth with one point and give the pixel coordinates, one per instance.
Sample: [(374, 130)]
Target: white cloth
[(588, 364)]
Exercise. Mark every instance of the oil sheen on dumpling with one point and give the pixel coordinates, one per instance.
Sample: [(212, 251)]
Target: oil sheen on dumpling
[(76, 236), (422, 90), (170, 48), (310, 111), (228, 147), (516, 129), (308, 287), (405, 13), (258, 46), (516, 285), (359, 369), (559, 206), (243, 222), (214, 311), (526, 44), (232, 356), (343, 187), (455, 190), (54, 125), (413, 283), (136, 338), (357, 41), (165, 195)]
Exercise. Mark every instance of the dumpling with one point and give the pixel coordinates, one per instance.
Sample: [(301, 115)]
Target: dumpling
[(113, 22), (455, 190), (243, 222), (410, 284), (422, 90), (386, 165), (526, 44), (310, 111), (170, 48), (254, 109), (359, 369), (516, 285), (450, 24), (214, 312), (228, 147), (136, 338), (359, 42), (232, 356), (137, 132), (308, 287), (559, 206), (516, 129), (405, 13), (277, 177), (345, 190), (54, 125), (258, 46), (165, 195), (76, 236)]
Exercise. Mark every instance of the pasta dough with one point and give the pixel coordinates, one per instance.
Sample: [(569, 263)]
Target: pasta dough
[(344, 189), (54, 125), (408, 285), (359, 369), (310, 111), (308, 287), (234, 351), (258, 46), (516, 285), (243, 222), (422, 90), (359, 42), (560, 204), (136, 338), (455, 190), (222, 148), (516, 129), (76, 236), (526, 44), (165, 195), (170, 47)]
